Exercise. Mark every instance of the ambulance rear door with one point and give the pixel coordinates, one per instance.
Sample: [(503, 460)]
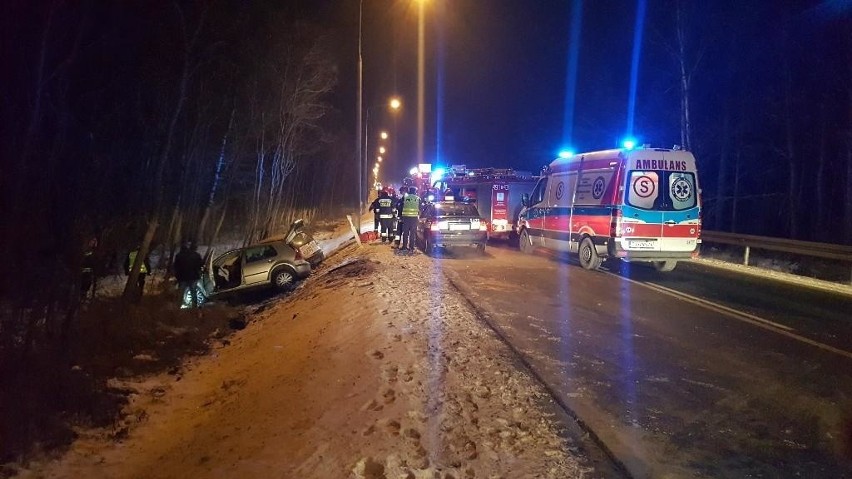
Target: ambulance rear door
[(680, 204)]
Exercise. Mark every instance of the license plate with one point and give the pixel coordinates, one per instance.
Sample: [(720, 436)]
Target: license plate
[(309, 249), (459, 227), (642, 244)]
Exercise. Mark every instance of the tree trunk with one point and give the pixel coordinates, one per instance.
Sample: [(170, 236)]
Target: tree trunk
[(737, 168), (789, 154), (821, 214), (721, 173), (685, 81), (848, 200), (217, 177), (131, 288), (218, 228)]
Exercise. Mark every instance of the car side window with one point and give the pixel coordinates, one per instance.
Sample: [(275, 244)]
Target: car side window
[(259, 253)]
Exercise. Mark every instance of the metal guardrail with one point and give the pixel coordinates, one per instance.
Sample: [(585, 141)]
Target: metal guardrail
[(804, 248)]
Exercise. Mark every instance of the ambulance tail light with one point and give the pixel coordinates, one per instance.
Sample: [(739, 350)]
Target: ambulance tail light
[(615, 223), (698, 226)]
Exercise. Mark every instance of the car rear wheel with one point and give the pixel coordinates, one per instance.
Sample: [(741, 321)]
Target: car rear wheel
[(283, 279), (525, 242), (589, 258), (665, 266)]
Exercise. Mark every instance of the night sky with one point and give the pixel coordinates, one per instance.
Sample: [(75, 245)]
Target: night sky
[(497, 72), (769, 87), (770, 97)]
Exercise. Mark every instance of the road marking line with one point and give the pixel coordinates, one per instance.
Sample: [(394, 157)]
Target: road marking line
[(717, 306), (742, 316)]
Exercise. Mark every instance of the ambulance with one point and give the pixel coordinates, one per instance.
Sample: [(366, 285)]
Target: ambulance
[(641, 204)]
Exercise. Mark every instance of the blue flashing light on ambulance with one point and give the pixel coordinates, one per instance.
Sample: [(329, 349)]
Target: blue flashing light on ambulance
[(635, 204)]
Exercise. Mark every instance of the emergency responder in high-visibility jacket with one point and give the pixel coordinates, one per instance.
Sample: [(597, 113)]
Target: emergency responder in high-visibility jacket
[(144, 269), (410, 212), (386, 215)]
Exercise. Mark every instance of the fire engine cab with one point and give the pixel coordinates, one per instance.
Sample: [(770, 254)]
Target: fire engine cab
[(495, 191)]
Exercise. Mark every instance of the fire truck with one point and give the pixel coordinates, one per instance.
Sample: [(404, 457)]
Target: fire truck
[(496, 192)]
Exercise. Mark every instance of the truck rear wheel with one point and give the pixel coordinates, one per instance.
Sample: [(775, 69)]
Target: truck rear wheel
[(589, 258)]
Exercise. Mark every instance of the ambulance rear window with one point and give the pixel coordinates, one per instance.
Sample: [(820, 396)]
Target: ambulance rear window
[(661, 190)]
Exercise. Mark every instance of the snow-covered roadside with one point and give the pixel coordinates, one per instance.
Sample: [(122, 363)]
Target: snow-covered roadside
[(777, 275), (375, 369)]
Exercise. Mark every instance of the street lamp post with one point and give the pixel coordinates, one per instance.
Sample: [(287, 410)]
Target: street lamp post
[(421, 78), (358, 138)]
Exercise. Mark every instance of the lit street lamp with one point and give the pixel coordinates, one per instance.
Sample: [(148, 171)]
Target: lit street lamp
[(393, 104)]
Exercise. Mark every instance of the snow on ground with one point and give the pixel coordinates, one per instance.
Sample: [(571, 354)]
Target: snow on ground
[(805, 281), (375, 368)]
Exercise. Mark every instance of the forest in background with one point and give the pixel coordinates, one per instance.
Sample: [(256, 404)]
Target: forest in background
[(141, 124)]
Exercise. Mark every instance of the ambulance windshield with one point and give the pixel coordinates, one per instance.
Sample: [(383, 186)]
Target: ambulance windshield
[(661, 190)]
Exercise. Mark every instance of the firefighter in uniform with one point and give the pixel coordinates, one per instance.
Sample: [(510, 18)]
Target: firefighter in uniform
[(386, 210), (374, 207), (397, 223), (410, 212)]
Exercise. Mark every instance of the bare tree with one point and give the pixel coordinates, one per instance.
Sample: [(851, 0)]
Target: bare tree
[(131, 288), (291, 129)]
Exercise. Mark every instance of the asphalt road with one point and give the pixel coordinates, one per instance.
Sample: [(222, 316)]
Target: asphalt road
[(694, 373)]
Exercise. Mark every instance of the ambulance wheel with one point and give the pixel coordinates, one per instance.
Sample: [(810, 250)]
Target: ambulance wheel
[(525, 244), (664, 266), (589, 258)]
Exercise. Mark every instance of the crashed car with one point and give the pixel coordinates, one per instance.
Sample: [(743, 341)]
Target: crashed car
[(271, 264)]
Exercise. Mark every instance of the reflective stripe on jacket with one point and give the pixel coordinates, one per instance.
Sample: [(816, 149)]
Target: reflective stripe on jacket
[(385, 208)]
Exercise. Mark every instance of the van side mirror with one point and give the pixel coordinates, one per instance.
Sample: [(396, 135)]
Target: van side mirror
[(525, 199)]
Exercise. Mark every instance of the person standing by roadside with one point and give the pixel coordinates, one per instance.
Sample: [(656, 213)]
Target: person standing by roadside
[(87, 270), (397, 223), (386, 210), (410, 212), (374, 207), (144, 269), (187, 267)]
